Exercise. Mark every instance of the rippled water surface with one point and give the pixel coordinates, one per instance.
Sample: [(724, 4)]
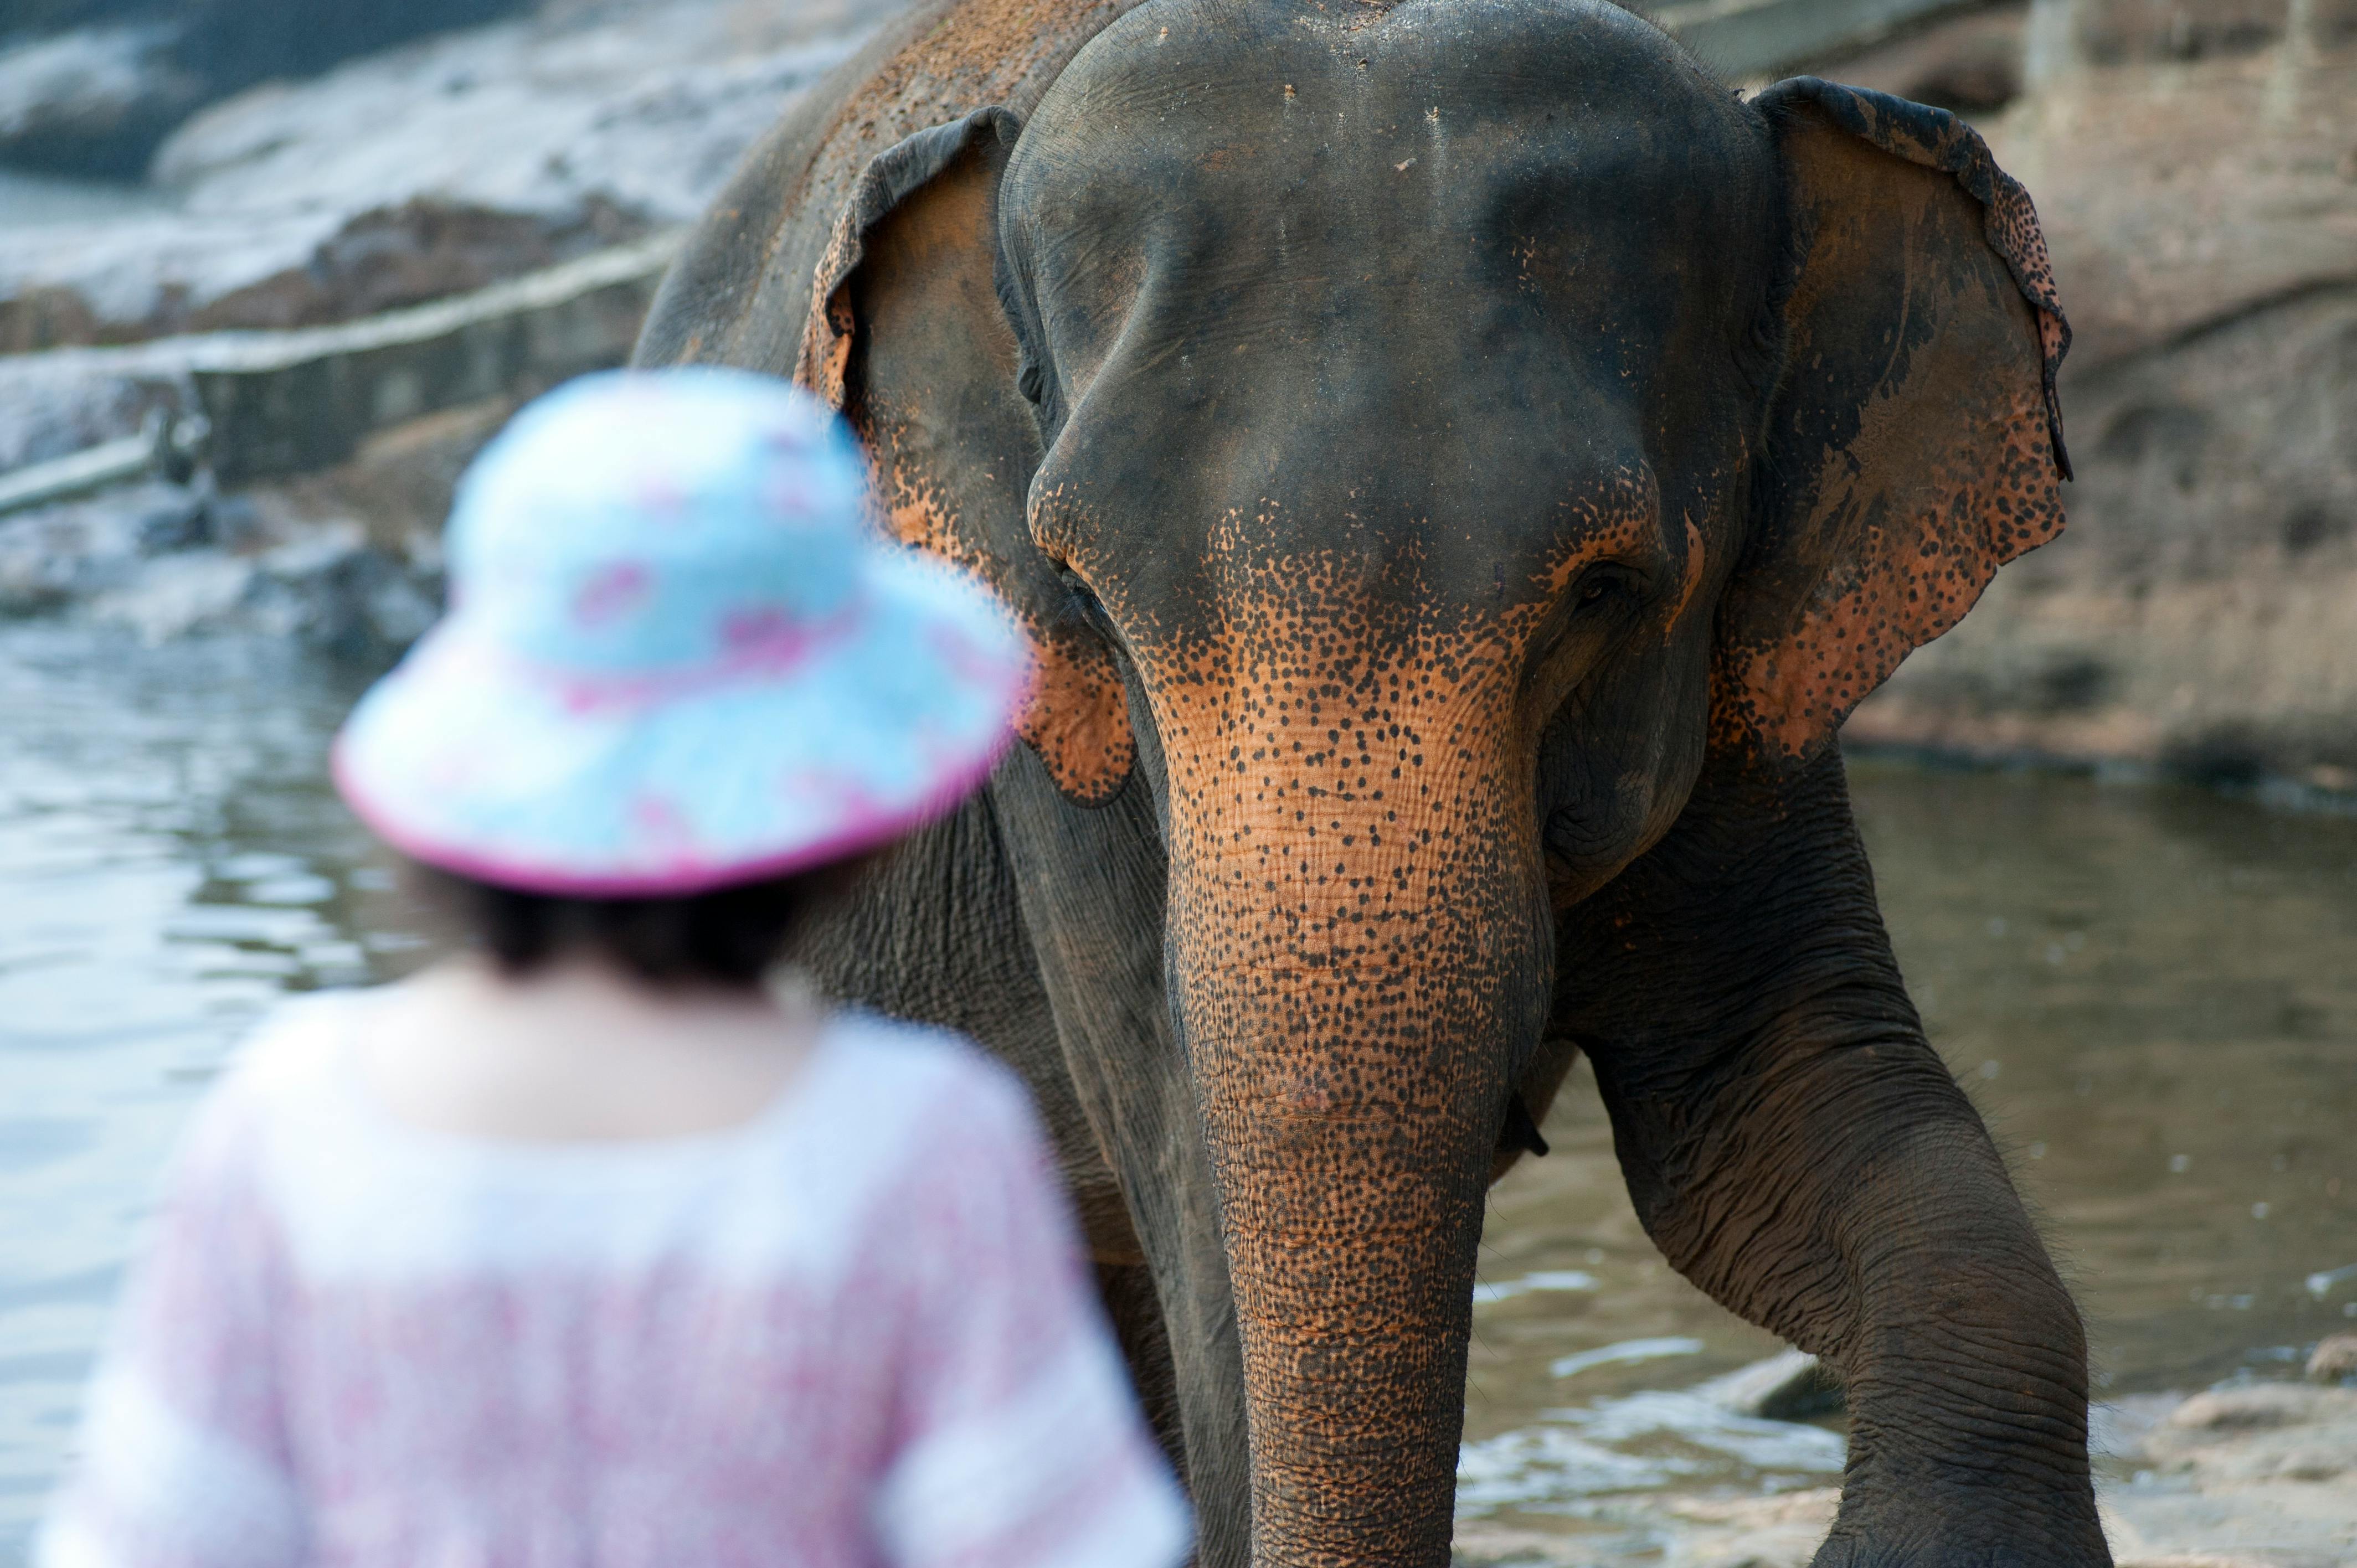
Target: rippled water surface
[(2147, 991), (170, 863), (2150, 994)]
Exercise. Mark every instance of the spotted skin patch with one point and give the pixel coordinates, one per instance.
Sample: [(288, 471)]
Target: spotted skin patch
[(1357, 920), (1354, 927), (1916, 444)]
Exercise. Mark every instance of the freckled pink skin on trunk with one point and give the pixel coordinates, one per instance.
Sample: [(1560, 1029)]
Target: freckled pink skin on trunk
[(1357, 916)]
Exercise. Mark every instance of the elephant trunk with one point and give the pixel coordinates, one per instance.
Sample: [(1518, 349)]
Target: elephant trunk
[(1357, 971)]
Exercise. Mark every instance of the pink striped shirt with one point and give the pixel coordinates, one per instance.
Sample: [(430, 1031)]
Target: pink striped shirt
[(853, 1332)]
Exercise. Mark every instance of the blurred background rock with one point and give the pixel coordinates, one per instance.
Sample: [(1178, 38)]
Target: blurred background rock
[(342, 185), (90, 87), (275, 165)]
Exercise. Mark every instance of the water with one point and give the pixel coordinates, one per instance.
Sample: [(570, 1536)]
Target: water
[(170, 863), (2147, 991)]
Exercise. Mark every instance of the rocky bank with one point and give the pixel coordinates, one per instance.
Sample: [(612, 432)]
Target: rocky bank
[(88, 87), (2245, 1476), (415, 174), (427, 169)]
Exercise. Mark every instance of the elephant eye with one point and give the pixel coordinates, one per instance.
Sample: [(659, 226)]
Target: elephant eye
[(1603, 581), (1085, 603)]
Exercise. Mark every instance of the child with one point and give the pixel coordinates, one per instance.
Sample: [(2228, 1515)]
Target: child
[(587, 1248)]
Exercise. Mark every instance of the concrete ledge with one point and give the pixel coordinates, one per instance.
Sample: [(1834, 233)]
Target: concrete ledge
[(1757, 38), (286, 402), (289, 403)]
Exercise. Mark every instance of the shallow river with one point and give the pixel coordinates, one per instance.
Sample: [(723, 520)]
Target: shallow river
[(2147, 991)]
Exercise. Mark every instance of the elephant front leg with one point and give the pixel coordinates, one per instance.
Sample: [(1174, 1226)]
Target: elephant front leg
[(1849, 1200), (1797, 1149)]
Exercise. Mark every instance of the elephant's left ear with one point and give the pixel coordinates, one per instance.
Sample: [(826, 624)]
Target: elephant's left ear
[(1914, 442)]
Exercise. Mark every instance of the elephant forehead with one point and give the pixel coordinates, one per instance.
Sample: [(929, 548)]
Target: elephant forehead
[(1417, 287), (1293, 121)]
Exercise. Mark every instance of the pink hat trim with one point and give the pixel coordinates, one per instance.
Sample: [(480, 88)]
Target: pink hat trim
[(866, 831)]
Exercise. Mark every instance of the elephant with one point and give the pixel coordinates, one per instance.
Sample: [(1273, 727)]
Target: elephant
[(1457, 463)]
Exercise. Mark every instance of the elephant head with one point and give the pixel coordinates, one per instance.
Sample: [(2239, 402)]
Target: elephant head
[(1419, 438)]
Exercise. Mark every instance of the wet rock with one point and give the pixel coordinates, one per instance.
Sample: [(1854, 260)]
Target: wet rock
[(2256, 1405), (2311, 1465), (329, 590), (2266, 1436), (169, 561), (337, 592), (178, 520), (94, 101), (2249, 1475), (1779, 1531), (236, 525), (58, 555), (2242, 1502), (197, 592), (2335, 1357), (1790, 1386), (428, 168)]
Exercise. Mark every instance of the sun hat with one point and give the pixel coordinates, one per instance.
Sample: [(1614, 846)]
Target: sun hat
[(679, 654)]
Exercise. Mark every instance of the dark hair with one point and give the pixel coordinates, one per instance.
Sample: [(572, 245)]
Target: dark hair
[(728, 937)]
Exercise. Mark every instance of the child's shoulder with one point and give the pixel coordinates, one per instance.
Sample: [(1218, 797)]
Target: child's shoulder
[(923, 1070), (282, 1076), (295, 1052)]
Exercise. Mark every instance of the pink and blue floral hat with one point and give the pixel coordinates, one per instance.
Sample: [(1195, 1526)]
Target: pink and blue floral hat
[(679, 654)]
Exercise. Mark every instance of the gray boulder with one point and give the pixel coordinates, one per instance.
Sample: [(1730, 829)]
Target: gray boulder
[(91, 88), (94, 101)]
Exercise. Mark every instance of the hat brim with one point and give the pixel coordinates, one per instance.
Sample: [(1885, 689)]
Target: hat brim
[(470, 762)]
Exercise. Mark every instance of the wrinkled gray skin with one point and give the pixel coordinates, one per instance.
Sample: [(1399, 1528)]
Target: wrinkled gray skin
[(1457, 463)]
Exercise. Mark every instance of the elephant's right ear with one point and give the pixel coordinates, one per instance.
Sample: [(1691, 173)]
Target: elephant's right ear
[(907, 336), (1913, 443)]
